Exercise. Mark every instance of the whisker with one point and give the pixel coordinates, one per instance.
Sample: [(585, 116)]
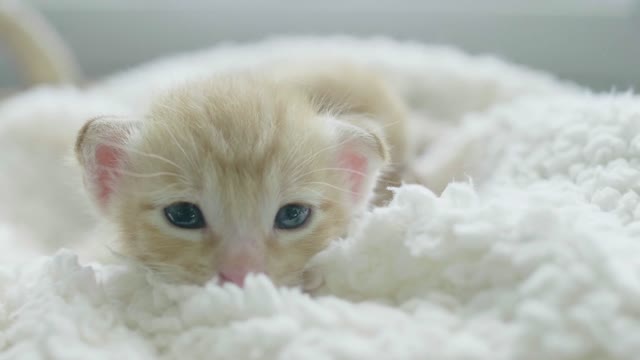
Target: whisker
[(331, 186), (130, 149), (162, 192), (318, 153), (191, 159), (149, 175), (382, 178)]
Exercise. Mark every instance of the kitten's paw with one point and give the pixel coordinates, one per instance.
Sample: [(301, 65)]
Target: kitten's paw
[(312, 281)]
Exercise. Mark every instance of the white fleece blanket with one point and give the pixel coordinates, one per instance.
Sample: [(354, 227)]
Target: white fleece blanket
[(534, 255)]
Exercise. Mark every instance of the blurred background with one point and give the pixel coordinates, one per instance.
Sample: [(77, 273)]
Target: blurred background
[(593, 42)]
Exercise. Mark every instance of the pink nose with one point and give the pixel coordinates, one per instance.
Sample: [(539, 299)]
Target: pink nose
[(236, 277), (240, 260)]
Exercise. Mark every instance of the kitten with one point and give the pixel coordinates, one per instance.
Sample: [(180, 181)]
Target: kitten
[(246, 172)]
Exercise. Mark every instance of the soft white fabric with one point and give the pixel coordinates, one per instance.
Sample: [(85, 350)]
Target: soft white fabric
[(534, 255)]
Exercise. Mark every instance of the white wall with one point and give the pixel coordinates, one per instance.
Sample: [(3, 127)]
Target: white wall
[(596, 43)]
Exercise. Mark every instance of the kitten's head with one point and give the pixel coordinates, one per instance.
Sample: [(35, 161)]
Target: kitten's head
[(229, 176)]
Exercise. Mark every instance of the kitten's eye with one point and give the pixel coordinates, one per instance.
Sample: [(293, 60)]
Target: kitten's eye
[(292, 216), (185, 215)]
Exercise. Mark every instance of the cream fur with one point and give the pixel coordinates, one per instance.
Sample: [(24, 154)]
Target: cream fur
[(240, 146), (35, 45)]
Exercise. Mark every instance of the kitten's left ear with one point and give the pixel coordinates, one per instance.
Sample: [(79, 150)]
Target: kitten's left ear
[(101, 150), (362, 152)]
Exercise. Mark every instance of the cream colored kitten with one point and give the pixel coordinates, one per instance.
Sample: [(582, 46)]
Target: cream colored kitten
[(247, 172)]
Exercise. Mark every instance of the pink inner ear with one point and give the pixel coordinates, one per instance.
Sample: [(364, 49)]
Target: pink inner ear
[(356, 166), (107, 162)]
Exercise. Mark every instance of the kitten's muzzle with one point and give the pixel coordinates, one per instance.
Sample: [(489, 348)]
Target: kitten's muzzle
[(239, 261)]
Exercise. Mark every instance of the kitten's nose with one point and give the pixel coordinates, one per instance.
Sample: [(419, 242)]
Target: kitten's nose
[(238, 263), (236, 277)]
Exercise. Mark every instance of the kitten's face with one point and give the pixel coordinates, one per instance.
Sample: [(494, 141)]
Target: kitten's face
[(227, 180)]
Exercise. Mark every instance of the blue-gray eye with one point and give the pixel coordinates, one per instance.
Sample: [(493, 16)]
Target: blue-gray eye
[(185, 215), (292, 216)]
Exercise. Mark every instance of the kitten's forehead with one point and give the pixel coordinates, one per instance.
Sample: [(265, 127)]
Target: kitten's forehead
[(242, 144), (242, 119)]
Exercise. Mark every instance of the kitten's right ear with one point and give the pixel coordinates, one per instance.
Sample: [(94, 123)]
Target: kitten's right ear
[(362, 153), (101, 150)]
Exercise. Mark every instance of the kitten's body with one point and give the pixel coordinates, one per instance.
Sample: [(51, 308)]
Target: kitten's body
[(240, 146)]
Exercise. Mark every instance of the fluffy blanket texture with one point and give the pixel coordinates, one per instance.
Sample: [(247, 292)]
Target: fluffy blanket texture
[(533, 255)]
